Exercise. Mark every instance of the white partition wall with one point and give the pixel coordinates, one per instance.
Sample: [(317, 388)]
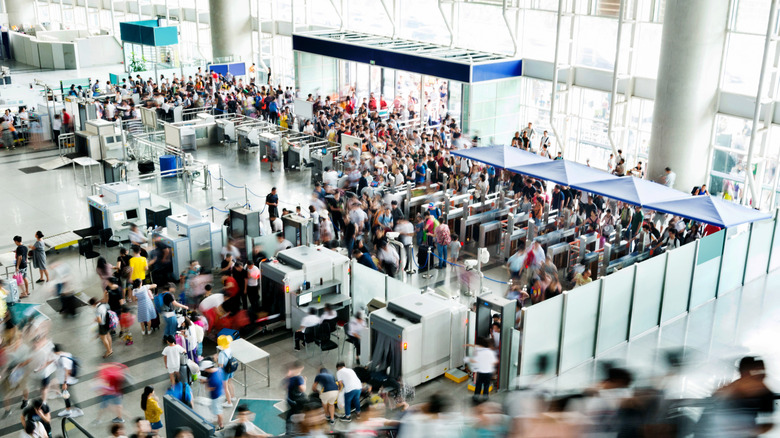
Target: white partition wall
[(709, 252), (648, 291), (677, 282), (367, 284), (615, 309), (580, 320), (397, 288), (541, 335), (761, 234), (732, 270)]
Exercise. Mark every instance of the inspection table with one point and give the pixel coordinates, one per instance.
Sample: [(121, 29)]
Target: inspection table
[(245, 353)]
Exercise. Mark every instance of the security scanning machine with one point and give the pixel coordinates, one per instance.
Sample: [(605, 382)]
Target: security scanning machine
[(298, 230), (117, 207), (305, 277), (191, 237), (418, 337), (487, 306)]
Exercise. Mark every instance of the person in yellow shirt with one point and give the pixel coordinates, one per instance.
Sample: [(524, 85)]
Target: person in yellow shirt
[(151, 408), (138, 265)]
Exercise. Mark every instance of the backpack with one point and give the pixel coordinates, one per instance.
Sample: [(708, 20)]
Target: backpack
[(75, 365), (231, 365), (112, 320)]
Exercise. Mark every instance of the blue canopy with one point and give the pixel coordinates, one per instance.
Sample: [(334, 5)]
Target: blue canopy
[(633, 190), (567, 173), (710, 210), (500, 156)]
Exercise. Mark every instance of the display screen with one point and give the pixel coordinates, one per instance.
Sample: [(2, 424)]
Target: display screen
[(132, 214), (119, 216), (304, 299)]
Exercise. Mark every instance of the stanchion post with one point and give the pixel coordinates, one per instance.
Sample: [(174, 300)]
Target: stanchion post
[(207, 177), (222, 185), (428, 263), (246, 195), (212, 214)]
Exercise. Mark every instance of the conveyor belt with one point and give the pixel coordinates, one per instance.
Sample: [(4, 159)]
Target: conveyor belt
[(62, 240)]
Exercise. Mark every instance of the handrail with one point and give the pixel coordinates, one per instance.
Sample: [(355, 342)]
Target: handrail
[(75, 423)]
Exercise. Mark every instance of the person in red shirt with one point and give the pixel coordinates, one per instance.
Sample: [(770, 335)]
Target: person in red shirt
[(113, 379), (66, 120), (232, 302), (382, 102)]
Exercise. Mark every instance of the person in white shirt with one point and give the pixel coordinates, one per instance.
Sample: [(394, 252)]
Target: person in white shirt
[(110, 110), (351, 385), (330, 177), (529, 131), (172, 357), (328, 314), (283, 244), (64, 364), (483, 364), (669, 178), (354, 329), (308, 321), (545, 141)]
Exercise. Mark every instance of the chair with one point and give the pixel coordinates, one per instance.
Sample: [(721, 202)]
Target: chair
[(324, 331), (107, 238), (309, 337), (86, 249)]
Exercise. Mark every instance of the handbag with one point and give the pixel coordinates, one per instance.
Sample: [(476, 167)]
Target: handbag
[(19, 278)]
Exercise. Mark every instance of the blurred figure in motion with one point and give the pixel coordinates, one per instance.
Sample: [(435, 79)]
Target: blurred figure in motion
[(431, 420), (742, 408), (488, 421), (483, 364)]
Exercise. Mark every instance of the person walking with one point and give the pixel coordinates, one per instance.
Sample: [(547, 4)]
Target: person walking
[(216, 388), (21, 264), (103, 321), (223, 360), (39, 256), (349, 382), (151, 408), (67, 367), (483, 364)]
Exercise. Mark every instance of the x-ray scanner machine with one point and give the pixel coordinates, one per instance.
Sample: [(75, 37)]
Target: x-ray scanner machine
[(305, 277), (192, 237), (117, 207), (418, 337)]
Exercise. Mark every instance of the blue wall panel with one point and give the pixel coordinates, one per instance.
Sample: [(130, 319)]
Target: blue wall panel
[(497, 70), (383, 58)]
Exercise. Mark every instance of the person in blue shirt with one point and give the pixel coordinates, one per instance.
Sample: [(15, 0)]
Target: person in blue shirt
[(214, 384), (181, 391), (329, 393), (420, 173), (364, 259)]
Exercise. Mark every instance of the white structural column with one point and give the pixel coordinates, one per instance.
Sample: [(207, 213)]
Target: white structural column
[(686, 92), (231, 30), (20, 12)]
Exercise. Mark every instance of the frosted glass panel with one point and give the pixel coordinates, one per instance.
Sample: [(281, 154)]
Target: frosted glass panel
[(367, 284), (579, 324), (734, 255), (541, 335), (707, 271), (774, 262), (649, 281), (615, 309), (758, 251), (677, 284), (397, 288)]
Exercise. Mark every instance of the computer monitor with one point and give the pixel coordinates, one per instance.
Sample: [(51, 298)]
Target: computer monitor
[(132, 214), (119, 216), (304, 299)]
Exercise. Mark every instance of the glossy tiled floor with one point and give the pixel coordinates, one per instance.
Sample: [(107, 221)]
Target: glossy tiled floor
[(713, 336)]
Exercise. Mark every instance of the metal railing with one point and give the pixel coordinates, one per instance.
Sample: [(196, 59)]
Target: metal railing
[(72, 429), (66, 143)]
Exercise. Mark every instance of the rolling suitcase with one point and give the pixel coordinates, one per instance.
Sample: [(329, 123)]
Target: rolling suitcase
[(423, 264), (145, 166)]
